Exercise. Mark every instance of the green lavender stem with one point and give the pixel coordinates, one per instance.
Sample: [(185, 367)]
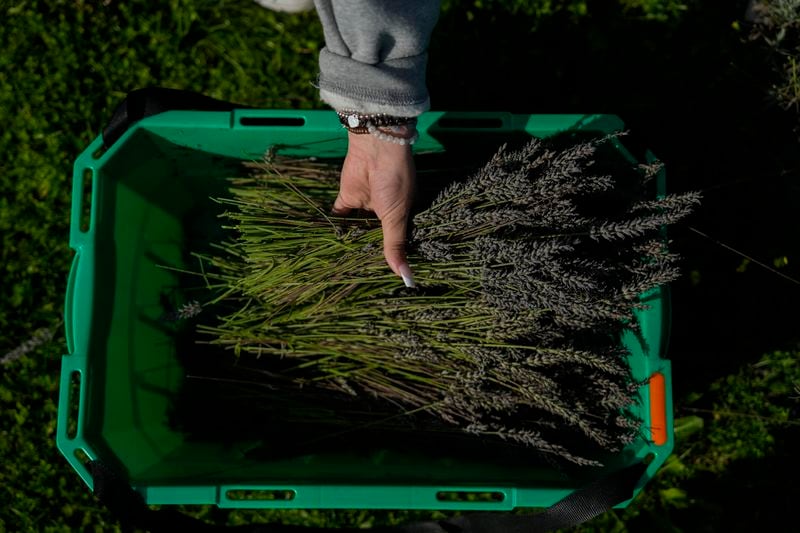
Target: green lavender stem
[(521, 293)]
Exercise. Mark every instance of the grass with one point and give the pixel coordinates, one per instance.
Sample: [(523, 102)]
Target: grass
[(686, 81)]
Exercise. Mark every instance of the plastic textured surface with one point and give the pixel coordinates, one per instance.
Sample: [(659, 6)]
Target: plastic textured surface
[(147, 190)]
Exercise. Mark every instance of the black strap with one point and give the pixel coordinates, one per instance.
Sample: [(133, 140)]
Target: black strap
[(578, 507), (149, 101), (129, 508)]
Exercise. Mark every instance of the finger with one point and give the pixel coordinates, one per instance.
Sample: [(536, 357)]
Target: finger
[(394, 249)]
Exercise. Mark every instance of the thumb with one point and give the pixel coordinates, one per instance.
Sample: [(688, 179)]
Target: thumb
[(339, 208), (394, 249)]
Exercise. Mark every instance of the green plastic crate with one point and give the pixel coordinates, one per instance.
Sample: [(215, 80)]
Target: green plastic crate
[(131, 207)]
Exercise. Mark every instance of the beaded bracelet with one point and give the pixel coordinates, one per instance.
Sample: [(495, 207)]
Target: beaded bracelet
[(400, 130), (403, 134)]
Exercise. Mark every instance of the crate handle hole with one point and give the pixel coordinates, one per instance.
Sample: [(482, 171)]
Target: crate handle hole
[(83, 457), (261, 494), (73, 404), (273, 121), (470, 496), (86, 200)]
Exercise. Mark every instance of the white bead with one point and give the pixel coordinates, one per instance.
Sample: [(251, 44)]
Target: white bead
[(352, 121), (387, 137)]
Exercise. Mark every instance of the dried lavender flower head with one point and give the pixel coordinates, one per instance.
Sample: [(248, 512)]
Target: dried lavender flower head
[(530, 270)]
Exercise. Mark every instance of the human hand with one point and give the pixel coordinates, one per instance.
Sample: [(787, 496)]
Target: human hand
[(379, 176)]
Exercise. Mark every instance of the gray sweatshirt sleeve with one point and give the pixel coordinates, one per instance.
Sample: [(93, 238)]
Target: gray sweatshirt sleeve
[(376, 54)]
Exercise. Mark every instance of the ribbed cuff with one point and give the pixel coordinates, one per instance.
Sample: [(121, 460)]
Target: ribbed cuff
[(395, 87)]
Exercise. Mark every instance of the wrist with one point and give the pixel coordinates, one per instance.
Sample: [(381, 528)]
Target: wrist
[(363, 145), (388, 128)]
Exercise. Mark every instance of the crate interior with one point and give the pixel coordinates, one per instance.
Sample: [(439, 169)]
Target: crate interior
[(153, 208)]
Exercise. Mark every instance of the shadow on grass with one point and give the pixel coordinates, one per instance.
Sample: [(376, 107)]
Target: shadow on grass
[(744, 497)]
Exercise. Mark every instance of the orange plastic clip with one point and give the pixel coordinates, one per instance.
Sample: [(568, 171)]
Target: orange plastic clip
[(658, 408)]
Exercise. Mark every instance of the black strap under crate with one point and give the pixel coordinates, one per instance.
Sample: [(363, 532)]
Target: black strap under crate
[(129, 508)]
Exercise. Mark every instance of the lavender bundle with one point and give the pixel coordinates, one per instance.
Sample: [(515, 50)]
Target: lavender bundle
[(528, 272)]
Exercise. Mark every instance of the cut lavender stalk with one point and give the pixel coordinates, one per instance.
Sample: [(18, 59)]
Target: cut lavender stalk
[(523, 290)]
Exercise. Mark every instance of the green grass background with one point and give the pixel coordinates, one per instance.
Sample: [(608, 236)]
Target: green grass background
[(682, 75)]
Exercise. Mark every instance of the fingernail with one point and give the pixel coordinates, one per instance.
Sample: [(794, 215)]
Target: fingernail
[(408, 277)]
